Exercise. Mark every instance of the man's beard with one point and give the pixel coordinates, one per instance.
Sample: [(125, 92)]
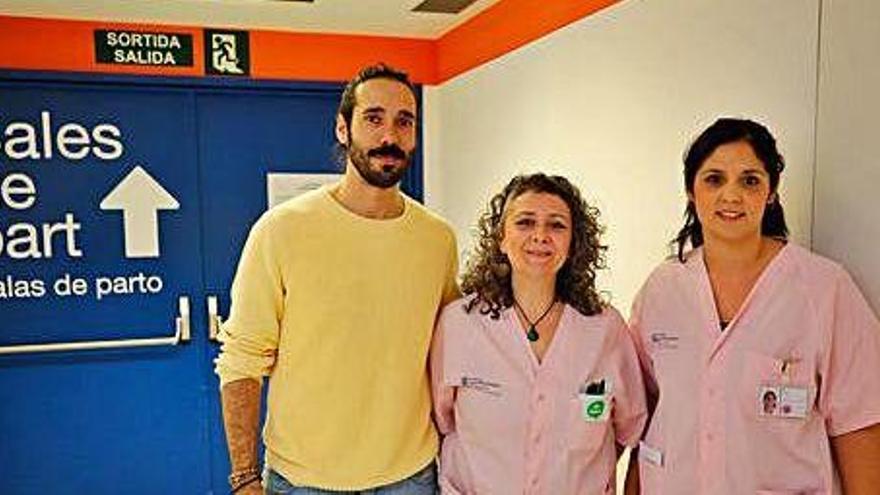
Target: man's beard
[(386, 176)]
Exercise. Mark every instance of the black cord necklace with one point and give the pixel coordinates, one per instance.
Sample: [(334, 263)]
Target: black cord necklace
[(533, 334)]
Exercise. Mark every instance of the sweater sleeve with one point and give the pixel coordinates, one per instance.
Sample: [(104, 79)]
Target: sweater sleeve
[(451, 291), (250, 335)]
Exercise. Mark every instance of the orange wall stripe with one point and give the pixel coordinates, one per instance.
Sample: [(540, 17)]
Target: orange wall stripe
[(328, 57), (62, 45), (503, 27), (67, 45)]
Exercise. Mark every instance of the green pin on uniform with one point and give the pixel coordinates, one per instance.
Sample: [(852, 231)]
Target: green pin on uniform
[(594, 400), (595, 408)]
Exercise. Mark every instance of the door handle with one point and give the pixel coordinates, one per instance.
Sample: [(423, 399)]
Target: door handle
[(214, 319), (181, 336)]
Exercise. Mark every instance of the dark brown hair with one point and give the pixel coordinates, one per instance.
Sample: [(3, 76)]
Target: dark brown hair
[(724, 131), (378, 71)]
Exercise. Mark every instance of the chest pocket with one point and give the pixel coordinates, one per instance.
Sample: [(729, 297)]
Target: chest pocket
[(586, 435), (772, 387), (778, 432)]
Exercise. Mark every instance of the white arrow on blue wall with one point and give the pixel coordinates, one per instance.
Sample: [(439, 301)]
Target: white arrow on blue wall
[(140, 198)]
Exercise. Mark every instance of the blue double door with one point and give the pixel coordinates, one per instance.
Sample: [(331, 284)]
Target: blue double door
[(123, 208)]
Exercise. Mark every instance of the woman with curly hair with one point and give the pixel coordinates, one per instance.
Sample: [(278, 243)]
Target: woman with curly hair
[(536, 382)]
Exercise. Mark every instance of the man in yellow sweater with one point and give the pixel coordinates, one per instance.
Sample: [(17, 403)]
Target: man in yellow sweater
[(334, 300)]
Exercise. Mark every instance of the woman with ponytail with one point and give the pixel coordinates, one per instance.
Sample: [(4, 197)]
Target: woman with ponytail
[(760, 357)]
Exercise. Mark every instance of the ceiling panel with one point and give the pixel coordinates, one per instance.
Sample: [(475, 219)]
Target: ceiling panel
[(372, 17)]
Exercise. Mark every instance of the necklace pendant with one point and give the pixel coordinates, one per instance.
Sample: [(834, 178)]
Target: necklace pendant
[(532, 334)]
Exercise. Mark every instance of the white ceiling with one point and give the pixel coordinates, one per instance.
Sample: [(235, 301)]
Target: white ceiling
[(374, 17)]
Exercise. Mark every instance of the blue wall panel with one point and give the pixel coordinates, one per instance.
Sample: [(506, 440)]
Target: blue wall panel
[(143, 420)]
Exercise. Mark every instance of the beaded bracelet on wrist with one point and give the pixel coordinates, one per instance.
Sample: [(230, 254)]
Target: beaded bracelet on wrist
[(242, 478)]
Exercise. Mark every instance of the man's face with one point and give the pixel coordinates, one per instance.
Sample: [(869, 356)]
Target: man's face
[(382, 136)]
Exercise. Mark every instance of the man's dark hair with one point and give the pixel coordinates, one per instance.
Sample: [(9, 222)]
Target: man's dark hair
[(378, 71)]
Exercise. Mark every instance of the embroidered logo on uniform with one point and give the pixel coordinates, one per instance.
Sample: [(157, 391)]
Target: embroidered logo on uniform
[(663, 340), (480, 385)]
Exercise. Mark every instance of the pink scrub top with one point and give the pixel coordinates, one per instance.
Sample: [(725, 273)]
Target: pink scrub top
[(750, 409), (512, 425)]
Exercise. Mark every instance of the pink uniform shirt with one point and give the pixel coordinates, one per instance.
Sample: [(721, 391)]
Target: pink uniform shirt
[(512, 425), (749, 409)]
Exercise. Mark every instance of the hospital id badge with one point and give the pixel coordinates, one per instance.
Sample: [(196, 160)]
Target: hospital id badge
[(594, 408), (783, 401)]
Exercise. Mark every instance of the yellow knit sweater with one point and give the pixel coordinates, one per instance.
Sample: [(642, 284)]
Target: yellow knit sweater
[(338, 310)]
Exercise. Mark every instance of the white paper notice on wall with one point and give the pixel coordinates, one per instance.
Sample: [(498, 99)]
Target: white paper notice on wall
[(283, 186)]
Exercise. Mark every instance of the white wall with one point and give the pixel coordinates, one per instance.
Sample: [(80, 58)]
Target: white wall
[(612, 100), (847, 206)]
